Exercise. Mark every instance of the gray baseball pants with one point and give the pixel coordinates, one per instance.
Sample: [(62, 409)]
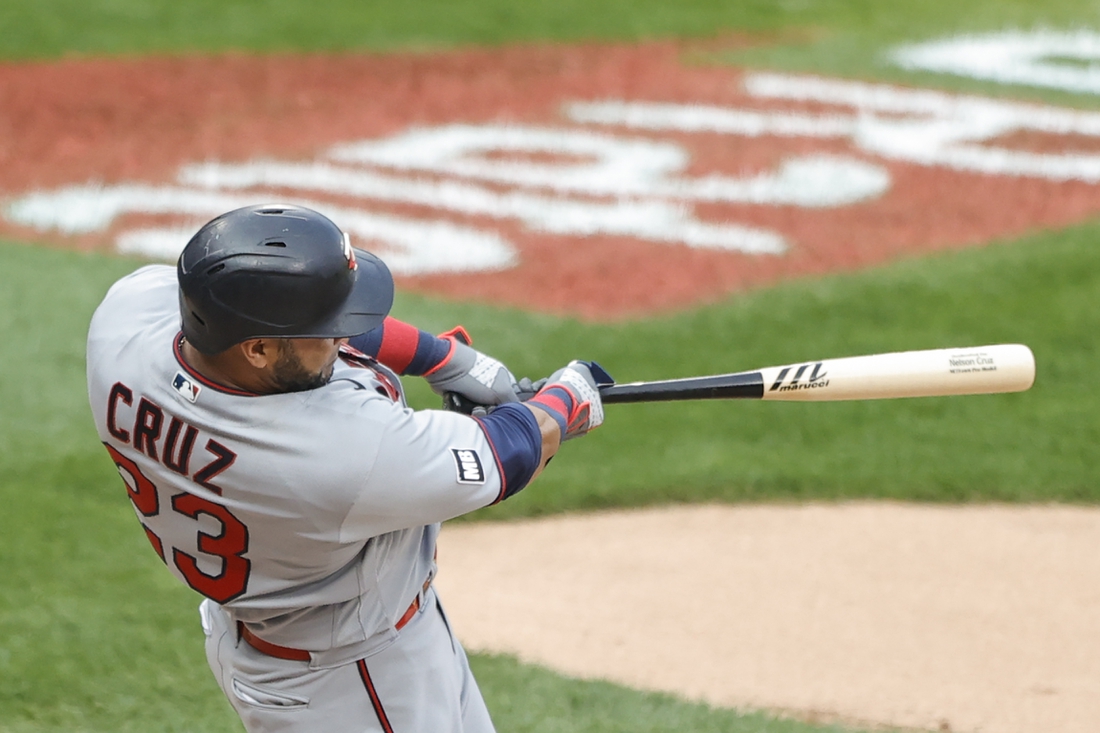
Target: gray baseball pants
[(422, 683)]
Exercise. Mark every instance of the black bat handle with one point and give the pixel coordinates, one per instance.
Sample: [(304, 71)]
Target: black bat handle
[(741, 385), (454, 402)]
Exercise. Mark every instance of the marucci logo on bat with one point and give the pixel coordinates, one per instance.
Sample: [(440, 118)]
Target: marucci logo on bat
[(815, 380)]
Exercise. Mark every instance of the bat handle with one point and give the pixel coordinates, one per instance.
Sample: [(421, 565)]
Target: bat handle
[(454, 402)]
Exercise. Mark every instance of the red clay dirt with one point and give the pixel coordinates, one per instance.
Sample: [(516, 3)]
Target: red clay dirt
[(138, 120)]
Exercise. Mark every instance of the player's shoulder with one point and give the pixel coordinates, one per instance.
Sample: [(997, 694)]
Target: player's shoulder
[(149, 293), (150, 283), (359, 401), (355, 400), (145, 277), (350, 392)]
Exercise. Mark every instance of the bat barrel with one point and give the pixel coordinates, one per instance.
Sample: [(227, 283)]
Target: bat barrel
[(932, 373)]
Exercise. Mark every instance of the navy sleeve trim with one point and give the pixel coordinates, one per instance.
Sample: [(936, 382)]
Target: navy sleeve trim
[(430, 351), (516, 440), (369, 343)]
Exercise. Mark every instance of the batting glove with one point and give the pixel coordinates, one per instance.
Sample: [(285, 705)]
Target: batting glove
[(572, 398), (467, 372)]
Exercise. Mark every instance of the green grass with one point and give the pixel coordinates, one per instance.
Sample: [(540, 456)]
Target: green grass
[(43, 28), (531, 700), (94, 634), (40, 28)]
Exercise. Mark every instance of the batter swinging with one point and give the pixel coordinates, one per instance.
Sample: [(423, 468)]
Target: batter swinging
[(251, 402)]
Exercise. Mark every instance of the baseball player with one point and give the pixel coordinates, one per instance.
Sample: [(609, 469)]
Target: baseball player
[(251, 402)]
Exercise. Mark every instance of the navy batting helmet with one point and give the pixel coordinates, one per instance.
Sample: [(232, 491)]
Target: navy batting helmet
[(277, 271)]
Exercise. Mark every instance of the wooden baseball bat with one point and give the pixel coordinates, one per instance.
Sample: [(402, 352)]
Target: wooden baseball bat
[(931, 373)]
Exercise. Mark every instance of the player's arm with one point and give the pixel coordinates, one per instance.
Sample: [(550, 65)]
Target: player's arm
[(433, 465), (566, 407), (447, 361)]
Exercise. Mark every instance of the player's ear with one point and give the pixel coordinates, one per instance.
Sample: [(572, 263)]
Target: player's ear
[(259, 353)]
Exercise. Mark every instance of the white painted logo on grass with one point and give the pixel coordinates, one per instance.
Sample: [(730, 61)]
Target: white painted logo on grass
[(409, 246), (613, 169), (587, 184), (1068, 60), (911, 125)]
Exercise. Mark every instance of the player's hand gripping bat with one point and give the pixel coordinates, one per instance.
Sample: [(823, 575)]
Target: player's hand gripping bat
[(932, 373)]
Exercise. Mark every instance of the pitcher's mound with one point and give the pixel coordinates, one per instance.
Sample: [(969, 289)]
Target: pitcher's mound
[(974, 618)]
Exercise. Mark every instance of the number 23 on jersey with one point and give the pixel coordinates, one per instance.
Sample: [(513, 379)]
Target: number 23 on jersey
[(231, 543)]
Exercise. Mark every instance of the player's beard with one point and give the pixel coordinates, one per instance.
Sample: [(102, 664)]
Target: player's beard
[(291, 376)]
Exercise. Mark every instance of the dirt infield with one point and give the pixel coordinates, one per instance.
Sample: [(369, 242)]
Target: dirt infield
[(940, 618)]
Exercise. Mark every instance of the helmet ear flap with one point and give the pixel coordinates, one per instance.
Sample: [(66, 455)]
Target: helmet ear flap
[(277, 271)]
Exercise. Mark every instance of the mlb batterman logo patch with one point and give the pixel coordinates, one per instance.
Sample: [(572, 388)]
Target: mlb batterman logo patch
[(468, 465), (186, 387)]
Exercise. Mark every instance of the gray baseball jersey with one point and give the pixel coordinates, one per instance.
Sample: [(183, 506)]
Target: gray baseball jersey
[(309, 519)]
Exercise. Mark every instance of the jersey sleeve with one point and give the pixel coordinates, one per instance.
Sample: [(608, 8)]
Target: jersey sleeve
[(429, 466)]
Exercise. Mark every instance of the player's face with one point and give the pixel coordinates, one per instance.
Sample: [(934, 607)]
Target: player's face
[(305, 364)]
